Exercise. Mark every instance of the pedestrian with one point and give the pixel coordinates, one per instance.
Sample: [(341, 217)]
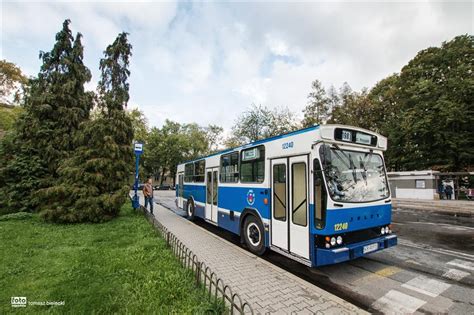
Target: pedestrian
[(449, 191), (148, 193), (441, 191)]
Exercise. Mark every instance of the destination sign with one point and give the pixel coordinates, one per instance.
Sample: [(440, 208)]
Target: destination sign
[(251, 154), (354, 136)]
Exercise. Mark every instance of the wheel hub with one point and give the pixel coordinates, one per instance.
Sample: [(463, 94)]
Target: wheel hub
[(253, 233)]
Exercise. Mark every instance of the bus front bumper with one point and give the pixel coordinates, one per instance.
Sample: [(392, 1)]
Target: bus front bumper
[(352, 251)]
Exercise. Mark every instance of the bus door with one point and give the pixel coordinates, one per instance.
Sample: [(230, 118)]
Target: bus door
[(180, 190), (211, 194), (289, 222)]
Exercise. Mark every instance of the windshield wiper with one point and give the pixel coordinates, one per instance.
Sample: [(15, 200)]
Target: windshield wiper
[(339, 157), (351, 165), (363, 163)]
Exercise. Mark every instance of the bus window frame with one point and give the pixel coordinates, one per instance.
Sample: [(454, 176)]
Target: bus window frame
[(292, 210), (188, 176), (282, 219), (317, 167), (377, 153), (201, 176), (221, 173), (260, 159)]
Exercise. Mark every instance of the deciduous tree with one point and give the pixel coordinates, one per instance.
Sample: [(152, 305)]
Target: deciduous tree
[(139, 124), (12, 82), (437, 99), (317, 109), (259, 122)]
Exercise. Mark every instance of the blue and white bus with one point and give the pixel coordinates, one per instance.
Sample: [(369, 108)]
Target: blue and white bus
[(319, 195)]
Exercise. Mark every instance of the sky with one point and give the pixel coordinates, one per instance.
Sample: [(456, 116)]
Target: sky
[(206, 62)]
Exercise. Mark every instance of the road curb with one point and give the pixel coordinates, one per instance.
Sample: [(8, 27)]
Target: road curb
[(455, 213)]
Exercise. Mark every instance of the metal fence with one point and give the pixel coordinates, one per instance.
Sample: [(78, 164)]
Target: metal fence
[(214, 287)]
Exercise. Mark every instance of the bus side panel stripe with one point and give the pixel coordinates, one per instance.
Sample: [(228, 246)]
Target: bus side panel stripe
[(198, 192), (239, 198), (233, 198)]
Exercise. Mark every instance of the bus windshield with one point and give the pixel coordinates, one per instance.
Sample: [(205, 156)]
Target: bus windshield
[(353, 176)]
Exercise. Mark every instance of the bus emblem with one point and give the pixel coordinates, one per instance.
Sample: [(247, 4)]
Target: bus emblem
[(250, 197)]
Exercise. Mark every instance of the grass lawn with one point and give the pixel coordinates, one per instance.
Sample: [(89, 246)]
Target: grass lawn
[(115, 267)]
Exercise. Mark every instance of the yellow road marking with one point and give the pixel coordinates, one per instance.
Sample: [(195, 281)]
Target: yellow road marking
[(388, 271), (376, 276)]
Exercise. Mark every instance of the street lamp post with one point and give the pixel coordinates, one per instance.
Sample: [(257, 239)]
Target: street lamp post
[(138, 148)]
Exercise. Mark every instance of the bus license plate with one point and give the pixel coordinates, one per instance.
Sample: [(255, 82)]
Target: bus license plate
[(370, 248)]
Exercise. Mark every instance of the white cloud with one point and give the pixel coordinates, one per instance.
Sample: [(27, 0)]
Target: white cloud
[(207, 62), (276, 45)]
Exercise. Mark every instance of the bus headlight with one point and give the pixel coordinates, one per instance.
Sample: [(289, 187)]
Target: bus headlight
[(387, 230), (333, 241), (382, 230), (339, 240)]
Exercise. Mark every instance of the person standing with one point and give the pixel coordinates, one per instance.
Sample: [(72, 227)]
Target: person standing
[(449, 191), (441, 191), (148, 193)]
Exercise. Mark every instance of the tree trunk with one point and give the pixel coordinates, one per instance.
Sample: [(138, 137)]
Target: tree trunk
[(162, 177)]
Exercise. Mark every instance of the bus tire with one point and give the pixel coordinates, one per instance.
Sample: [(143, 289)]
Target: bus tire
[(190, 210), (254, 235)]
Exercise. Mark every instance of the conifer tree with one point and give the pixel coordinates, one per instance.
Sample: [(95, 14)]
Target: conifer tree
[(95, 180), (55, 105)]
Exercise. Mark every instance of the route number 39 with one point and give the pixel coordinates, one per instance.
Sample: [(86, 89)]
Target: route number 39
[(341, 226)]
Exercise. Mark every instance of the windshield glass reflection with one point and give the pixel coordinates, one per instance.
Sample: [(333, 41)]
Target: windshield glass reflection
[(353, 176)]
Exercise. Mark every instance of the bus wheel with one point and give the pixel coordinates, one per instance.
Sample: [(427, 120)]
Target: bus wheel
[(190, 210), (254, 235)]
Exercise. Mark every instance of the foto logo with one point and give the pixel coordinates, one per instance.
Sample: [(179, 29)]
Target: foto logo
[(18, 301)]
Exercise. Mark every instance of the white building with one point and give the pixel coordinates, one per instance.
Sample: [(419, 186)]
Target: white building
[(414, 184)]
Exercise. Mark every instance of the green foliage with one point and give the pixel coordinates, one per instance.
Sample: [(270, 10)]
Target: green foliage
[(259, 122), (94, 180), (8, 117), (317, 110), (253, 124), (120, 266), (437, 103), (139, 125), (426, 111), (54, 107), (214, 137), (175, 143), (16, 216), (12, 82), (21, 172)]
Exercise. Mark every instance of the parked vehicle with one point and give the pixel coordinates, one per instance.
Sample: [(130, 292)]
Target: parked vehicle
[(163, 187)]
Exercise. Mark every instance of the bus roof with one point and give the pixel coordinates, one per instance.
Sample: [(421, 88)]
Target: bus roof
[(283, 135)]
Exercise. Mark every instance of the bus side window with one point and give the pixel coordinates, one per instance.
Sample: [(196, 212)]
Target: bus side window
[(320, 196)]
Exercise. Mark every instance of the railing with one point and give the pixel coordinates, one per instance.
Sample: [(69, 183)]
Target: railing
[(214, 287)]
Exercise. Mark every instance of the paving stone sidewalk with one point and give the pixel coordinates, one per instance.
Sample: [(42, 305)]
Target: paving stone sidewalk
[(267, 288)]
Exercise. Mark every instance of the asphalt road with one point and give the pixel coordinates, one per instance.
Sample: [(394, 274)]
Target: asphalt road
[(431, 270)]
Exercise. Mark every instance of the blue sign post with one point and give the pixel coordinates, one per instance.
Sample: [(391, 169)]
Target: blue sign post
[(138, 148)]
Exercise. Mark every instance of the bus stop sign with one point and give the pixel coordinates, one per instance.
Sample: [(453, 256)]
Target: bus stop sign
[(138, 148)]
